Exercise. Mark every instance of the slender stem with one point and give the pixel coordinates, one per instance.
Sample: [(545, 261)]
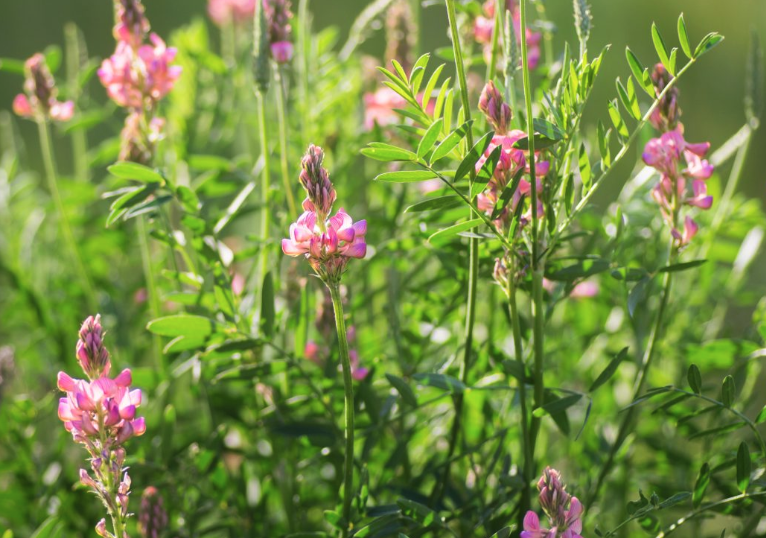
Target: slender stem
[(348, 482), (695, 513), (73, 66), (641, 378), (525, 439), (282, 120), (538, 313), (265, 195), (52, 178), (151, 289), (473, 261)]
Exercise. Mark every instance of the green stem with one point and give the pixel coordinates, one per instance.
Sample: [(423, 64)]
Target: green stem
[(348, 387), (513, 308), (499, 11), (627, 421), (73, 66), (282, 120), (473, 261), (694, 513), (52, 178), (151, 289), (538, 313), (265, 207)]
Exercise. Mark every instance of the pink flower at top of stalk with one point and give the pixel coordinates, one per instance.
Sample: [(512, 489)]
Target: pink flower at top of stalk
[(39, 99), (223, 12), (484, 27), (278, 15), (132, 25), (563, 510)]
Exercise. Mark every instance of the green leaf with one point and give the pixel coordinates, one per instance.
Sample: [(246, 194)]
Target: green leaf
[(441, 381), (761, 416), (183, 325), (728, 391), (447, 233), (558, 405), (581, 269), (404, 390), (405, 176), (429, 139), (419, 512), (441, 202), (387, 153), (675, 268), (707, 43), (477, 151), (584, 164), (188, 199), (268, 311), (610, 369), (603, 144), (660, 47), (138, 172), (639, 72), (743, 467), (638, 294), (11, 65), (505, 532), (47, 529), (507, 195), (630, 103), (430, 85), (546, 135), (486, 172), (694, 377), (617, 121), (672, 61), (209, 162), (451, 141), (683, 37), (675, 499), (703, 479)]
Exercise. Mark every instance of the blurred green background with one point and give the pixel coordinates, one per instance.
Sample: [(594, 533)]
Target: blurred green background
[(712, 93)]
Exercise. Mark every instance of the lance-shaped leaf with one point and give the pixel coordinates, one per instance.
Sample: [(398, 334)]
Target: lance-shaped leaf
[(404, 390), (183, 325), (469, 162), (584, 165), (135, 171), (507, 195), (703, 479), (447, 233), (660, 47), (486, 172), (617, 121), (430, 204), (743, 467), (707, 43), (387, 153), (429, 139), (546, 135), (450, 142), (630, 105), (405, 176), (675, 268), (694, 377), (640, 73), (441, 381), (683, 37), (430, 86), (603, 144), (610, 370), (557, 406), (728, 391)]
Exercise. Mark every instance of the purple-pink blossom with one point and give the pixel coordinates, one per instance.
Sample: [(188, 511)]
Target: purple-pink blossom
[(564, 511), (224, 12), (39, 99), (278, 15), (132, 25)]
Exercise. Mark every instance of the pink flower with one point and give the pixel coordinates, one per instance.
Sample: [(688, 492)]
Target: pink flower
[(22, 107), (690, 230), (484, 26), (564, 511), (159, 75), (91, 353), (358, 372), (121, 78), (224, 12), (498, 113), (338, 237), (132, 25), (278, 15), (311, 351), (379, 107), (282, 51)]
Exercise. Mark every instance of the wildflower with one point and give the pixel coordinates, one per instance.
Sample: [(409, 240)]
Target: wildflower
[(665, 155), (100, 412), (152, 517), (278, 15), (563, 510), (484, 27), (40, 92), (316, 181), (133, 76), (666, 114), (498, 113), (132, 25), (223, 12)]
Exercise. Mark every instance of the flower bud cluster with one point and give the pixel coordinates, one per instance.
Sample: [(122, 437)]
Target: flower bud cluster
[(39, 100), (563, 510)]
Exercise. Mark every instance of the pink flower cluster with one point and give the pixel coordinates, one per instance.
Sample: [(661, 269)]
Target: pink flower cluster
[(327, 242), (280, 32), (563, 510), (510, 162), (134, 76), (131, 23), (39, 99), (99, 408), (484, 27), (223, 12), (681, 164), (100, 412)]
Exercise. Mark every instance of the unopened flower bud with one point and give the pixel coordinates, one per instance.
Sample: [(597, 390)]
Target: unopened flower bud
[(101, 529), (132, 25), (316, 181), (667, 114), (494, 108), (91, 353), (86, 480)]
